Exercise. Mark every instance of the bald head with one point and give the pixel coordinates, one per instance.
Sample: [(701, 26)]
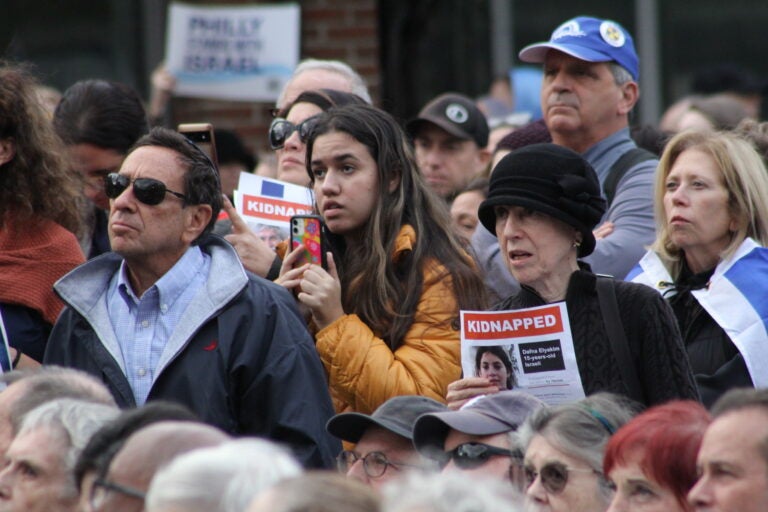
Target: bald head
[(148, 450)]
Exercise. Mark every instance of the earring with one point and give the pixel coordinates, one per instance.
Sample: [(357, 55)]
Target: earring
[(576, 244)]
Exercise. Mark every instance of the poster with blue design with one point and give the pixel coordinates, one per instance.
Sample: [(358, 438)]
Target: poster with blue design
[(237, 53)]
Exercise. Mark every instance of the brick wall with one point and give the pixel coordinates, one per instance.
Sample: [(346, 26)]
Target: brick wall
[(346, 30)]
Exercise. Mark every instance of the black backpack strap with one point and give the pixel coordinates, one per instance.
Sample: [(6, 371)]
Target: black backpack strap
[(627, 161), (606, 295)]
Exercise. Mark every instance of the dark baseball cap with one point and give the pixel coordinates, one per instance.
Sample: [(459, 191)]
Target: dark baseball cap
[(487, 415), (455, 113), (398, 415)]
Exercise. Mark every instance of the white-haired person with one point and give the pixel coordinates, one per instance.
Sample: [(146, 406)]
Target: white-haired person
[(564, 448), (708, 260), (222, 478), (38, 469), (450, 492)]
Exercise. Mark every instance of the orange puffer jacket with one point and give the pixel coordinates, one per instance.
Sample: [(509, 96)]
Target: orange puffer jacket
[(363, 372)]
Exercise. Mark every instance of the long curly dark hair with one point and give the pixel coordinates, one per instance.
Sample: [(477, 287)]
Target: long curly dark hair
[(37, 181)]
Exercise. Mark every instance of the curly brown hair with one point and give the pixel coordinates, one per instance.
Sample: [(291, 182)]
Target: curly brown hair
[(37, 181)]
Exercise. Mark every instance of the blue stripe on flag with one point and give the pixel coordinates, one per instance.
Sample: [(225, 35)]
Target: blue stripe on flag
[(636, 271), (749, 276), (272, 189)]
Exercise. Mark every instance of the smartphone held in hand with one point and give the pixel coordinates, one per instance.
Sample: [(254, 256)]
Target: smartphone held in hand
[(307, 232)]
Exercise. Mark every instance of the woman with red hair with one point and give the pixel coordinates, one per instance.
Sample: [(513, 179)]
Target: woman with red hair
[(651, 460)]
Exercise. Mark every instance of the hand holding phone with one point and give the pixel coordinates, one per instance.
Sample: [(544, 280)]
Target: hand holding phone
[(202, 135), (307, 232)]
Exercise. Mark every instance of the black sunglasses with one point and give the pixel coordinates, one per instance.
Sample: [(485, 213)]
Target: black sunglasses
[(281, 129), (473, 455), (554, 476), (147, 190)]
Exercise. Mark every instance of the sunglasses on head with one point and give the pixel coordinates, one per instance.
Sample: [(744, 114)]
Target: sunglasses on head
[(473, 455), (147, 190), (554, 476), (281, 129)]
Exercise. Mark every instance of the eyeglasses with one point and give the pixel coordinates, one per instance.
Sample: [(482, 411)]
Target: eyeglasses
[(554, 476), (473, 455), (147, 190), (101, 488), (375, 464), (281, 129)]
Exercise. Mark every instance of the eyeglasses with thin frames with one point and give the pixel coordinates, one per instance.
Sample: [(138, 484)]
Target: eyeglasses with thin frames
[(375, 464), (554, 476)]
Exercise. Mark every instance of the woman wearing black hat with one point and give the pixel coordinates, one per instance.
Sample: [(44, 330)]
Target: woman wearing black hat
[(543, 203)]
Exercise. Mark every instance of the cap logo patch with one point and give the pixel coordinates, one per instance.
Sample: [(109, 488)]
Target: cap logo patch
[(456, 113), (568, 29), (612, 34)]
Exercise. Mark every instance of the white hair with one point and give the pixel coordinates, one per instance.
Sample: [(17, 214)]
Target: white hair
[(450, 492), (224, 478), (356, 83), (75, 420)]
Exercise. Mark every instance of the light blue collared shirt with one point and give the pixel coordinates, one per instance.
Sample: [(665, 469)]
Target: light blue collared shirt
[(143, 325)]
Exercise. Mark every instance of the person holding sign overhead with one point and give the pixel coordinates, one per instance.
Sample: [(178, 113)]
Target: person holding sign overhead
[(385, 310), (543, 203)]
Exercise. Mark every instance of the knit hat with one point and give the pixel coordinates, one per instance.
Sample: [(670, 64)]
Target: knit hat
[(550, 179), (487, 415), (535, 132), (397, 415), (456, 114), (589, 39)]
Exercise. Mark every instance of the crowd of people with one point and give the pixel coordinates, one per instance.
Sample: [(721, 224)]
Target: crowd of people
[(166, 357)]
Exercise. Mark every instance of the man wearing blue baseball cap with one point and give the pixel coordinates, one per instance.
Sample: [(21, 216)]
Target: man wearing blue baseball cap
[(590, 86)]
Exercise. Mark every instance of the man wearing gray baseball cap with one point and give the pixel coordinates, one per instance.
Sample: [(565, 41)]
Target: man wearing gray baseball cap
[(476, 438), (383, 440)]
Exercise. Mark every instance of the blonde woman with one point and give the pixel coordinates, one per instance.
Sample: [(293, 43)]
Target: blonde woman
[(708, 260)]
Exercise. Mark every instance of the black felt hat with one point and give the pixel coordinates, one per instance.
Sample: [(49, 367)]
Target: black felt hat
[(550, 179)]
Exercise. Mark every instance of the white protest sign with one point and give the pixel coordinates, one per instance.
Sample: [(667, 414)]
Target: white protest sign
[(244, 53), (262, 202), (539, 345)]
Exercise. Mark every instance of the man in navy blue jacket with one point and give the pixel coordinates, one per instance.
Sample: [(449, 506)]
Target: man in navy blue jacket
[(172, 314)]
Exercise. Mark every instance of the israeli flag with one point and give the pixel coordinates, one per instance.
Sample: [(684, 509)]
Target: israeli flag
[(736, 298)]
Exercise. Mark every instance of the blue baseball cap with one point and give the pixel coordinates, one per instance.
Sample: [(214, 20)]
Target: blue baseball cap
[(589, 39)]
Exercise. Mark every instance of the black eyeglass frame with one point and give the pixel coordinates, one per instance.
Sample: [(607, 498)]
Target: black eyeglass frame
[(112, 486), (343, 465), (115, 184)]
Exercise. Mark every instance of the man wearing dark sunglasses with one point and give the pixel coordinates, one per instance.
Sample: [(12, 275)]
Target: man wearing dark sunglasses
[(172, 314), (477, 438), (383, 441)]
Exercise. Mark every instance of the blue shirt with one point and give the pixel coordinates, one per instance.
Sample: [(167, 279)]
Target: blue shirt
[(631, 210), (144, 324)]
